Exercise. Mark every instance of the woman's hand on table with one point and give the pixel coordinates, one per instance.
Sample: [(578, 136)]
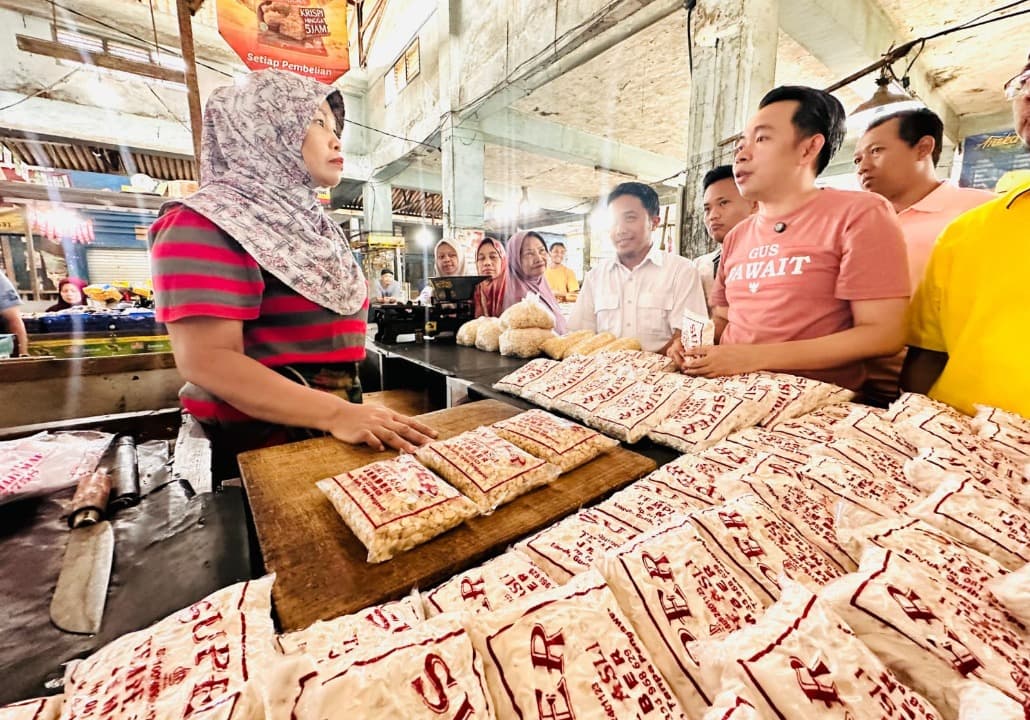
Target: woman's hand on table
[(378, 427)]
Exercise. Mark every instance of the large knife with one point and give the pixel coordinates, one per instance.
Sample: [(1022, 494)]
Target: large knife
[(81, 592)]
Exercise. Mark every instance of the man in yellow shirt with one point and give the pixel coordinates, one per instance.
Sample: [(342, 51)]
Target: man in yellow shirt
[(561, 279), (969, 331)]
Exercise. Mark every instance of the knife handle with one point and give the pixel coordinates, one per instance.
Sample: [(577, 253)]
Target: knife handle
[(90, 500)]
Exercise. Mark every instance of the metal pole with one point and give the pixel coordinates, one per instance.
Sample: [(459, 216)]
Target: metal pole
[(30, 255), (190, 61)]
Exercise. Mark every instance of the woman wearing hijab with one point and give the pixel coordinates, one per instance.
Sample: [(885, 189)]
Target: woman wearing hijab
[(527, 263), (264, 302), (447, 261), (70, 294), (491, 262)]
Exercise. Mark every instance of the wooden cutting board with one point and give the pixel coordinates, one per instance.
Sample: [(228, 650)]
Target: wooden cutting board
[(321, 568)]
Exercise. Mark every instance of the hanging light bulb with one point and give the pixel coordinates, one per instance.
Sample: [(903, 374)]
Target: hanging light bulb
[(888, 98)]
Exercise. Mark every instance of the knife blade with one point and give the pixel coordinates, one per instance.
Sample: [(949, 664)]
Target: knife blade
[(81, 593)]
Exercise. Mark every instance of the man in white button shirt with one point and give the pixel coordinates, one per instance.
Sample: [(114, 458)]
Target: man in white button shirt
[(643, 292)]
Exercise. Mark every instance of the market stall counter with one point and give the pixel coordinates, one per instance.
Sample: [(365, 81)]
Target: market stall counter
[(446, 369), (170, 550)]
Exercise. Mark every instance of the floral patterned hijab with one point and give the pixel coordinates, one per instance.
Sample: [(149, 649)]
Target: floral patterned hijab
[(254, 185)]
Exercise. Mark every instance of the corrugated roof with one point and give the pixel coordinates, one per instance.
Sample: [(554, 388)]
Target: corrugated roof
[(68, 154)]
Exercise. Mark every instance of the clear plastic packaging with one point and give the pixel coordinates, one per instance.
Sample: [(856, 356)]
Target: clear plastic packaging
[(486, 468), (674, 590), (467, 333), (1009, 431), (582, 400), (646, 504), (591, 344), (632, 414), (330, 643), (555, 440), (488, 335), (394, 505), (748, 534), (916, 629), (524, 342), (516, 382), (986, 520), (570, 546), (562, 379), (47, 462), (222, 646), (1013, 592), (696, 476), (874, 493), (495, 584), (528, 313), (966, 575), (432, 672), (46, 708), (800, 661), (704, 419), (696, 331), (569, 652)]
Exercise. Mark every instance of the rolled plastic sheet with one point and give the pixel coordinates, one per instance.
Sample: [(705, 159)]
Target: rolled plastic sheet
[(125, 485)]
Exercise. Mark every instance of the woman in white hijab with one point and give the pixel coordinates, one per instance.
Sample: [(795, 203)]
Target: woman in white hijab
[(447, 261), (264, 302)]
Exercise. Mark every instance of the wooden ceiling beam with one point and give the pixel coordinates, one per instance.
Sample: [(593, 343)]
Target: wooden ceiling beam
[(54, 49)]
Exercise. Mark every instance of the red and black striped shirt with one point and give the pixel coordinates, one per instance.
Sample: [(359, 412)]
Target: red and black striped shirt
[(200, 271)]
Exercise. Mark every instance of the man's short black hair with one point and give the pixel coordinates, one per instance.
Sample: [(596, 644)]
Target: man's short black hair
[(914, 125), (723, 172), (818, 113), (648, 197), (557, 243), (385, 271)]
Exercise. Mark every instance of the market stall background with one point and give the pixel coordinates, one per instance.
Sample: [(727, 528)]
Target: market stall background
[(544, 153), (540, 119)]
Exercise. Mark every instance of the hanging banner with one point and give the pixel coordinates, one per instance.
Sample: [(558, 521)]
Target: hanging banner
[(308, 37), (57, 223)]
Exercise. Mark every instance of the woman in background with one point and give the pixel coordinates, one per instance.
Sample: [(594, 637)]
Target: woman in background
[(491, 261), (70, 294), (527, 263), (447, 262)]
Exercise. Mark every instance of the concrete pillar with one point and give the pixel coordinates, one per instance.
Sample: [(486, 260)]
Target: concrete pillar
[(734, 66), (377, 201), (462, 146)]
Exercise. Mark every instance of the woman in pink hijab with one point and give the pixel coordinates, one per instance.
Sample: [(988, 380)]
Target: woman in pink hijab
[(491, 262), (527, 262)]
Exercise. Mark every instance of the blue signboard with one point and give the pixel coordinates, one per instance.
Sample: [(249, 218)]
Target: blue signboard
[(987, 158)]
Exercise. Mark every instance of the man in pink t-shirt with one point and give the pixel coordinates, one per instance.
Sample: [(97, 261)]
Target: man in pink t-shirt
[(816, 282), (897, 157)]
